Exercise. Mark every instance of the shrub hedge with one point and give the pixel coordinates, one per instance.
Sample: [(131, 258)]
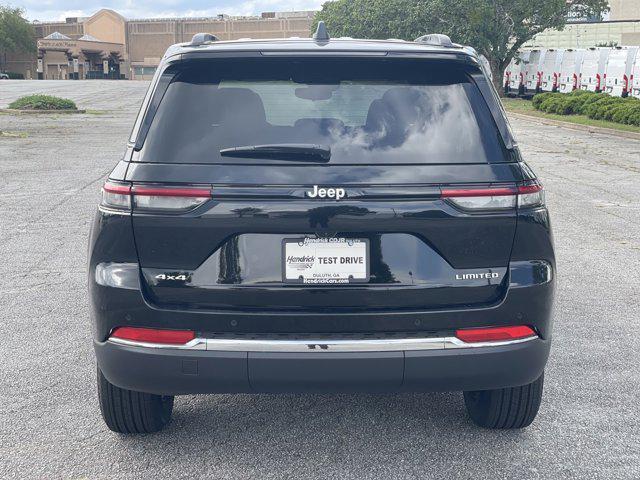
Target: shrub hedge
[(42, 102), (598, 106)]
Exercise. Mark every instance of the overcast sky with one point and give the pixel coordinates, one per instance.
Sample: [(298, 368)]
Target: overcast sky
[(60, 9)]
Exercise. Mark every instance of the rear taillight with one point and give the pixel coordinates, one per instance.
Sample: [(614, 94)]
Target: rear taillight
[(531, 195), (122, 196), (153, 335), (481, 198), (625, 83), (597, 81), (116, 196), (495, 198), (495, 334), (555, 80), (575, 81), (168, 198)]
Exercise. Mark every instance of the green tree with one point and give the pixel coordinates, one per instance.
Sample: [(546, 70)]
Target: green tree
[(404, 19), (495, 28), (16, 33)]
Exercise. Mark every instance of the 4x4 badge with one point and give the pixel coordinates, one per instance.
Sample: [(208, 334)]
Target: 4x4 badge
[(178, 277)]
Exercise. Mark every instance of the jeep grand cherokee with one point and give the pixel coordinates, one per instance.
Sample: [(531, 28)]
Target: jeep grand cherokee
[(321, 215)]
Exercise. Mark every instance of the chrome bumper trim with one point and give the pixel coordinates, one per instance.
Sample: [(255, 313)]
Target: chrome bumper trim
[(322, 345)]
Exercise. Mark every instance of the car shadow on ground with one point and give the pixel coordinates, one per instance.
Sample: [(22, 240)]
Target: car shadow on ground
[(286, 424)]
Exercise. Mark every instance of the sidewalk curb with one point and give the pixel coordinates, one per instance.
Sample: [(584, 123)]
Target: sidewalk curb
[(577, 126)]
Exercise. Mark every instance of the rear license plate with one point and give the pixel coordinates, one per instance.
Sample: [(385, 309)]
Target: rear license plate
[(325, 260)]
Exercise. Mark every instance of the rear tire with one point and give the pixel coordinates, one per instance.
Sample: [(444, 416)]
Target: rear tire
[(127, 411), (514, 407)]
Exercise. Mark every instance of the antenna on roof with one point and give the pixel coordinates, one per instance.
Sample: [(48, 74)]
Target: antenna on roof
[(321, 34), (436, 39), (202, 38)]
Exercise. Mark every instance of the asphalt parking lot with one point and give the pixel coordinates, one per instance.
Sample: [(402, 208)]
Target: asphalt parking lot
[(51, 170)]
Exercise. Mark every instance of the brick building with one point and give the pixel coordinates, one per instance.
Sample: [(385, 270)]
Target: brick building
[(108, 45)]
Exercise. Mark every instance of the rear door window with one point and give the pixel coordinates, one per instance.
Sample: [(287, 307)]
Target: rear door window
[(365, 111)]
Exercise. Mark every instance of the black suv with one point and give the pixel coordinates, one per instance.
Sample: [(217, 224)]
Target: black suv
[(321, 215)]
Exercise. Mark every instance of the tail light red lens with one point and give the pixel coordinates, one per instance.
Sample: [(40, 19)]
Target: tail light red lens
[(153, 335), (123, 196), (625, 83), (494, 334), (495, 198)]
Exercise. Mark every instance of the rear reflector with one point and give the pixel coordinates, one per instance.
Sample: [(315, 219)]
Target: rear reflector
[(152, 335), (494, 334)]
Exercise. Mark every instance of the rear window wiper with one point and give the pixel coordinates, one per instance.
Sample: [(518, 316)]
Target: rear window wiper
[(303, 152)]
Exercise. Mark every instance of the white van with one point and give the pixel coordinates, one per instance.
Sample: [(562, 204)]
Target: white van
[(508, 72), (634, 80), (516, 78), (532, 71), (618, 70), (593, 69), (550, 70), (570, 70)]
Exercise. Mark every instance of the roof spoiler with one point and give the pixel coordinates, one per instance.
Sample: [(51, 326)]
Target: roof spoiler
[(202, 39), (436, 39)]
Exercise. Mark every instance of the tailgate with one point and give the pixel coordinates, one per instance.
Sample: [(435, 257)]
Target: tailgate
[(424, 252)]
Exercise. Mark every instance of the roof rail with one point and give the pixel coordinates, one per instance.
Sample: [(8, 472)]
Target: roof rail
[(202, 38), (321, 34), (437, 39)]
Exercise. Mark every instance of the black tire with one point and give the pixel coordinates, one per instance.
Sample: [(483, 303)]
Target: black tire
[(127, 411), (514, 407)]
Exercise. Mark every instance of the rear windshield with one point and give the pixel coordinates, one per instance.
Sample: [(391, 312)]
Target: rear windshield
[(365, 111)]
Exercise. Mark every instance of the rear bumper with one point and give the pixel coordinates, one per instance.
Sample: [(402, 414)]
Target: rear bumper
[(172, 371)]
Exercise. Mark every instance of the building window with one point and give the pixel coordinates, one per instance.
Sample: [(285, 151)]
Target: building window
[(144, 71)]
